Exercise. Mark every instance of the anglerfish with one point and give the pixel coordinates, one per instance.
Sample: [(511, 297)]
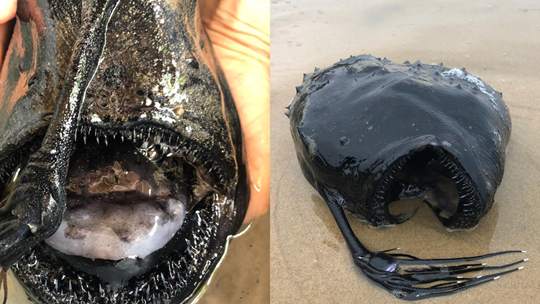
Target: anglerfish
[(369, 133), (121, 166)]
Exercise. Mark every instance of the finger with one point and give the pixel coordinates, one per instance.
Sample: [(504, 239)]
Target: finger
[(7, 10), (239, 31)]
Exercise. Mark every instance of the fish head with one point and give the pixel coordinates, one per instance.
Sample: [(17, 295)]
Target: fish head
[(156, 170)]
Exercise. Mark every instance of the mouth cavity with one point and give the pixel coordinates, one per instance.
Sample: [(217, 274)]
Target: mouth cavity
[(142, 209), (432, 175), (120, 203)]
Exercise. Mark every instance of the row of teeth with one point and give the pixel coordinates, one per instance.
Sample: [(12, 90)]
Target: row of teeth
[(149, 134), (468, 196), (151, 142), (154, 143), (160, 288)]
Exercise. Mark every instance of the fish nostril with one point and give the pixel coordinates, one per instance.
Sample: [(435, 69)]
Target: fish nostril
[(192, 62), (33, 80)]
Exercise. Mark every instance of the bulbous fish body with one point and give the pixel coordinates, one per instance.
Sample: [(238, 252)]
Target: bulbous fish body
[(355, 121), (137, 76), (369, 133)]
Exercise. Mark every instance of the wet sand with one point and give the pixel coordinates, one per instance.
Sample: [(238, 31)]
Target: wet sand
[(244, 275), (499, 42)]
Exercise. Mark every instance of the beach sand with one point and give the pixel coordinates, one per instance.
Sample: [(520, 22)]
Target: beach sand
[(496, 40)]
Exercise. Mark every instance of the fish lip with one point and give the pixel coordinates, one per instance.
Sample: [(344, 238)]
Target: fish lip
[(470, 206)]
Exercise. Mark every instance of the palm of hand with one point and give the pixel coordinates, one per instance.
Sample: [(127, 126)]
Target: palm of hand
[(240, 35)]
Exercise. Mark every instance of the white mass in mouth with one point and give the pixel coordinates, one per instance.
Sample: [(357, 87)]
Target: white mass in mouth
[(123, 200), (103, 230)]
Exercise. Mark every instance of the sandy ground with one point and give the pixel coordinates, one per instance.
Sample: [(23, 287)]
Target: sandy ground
[(242, 277), (496, 40)]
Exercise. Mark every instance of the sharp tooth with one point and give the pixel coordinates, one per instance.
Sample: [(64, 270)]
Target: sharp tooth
[(106, 141), (122, 137), (76, 131), (84, 138), (97, 139)]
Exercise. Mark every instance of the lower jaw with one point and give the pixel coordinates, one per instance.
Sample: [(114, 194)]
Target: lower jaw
[(175, 271)]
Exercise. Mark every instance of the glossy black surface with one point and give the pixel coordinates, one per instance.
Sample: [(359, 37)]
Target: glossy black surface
[(369, 132), (140, 70)]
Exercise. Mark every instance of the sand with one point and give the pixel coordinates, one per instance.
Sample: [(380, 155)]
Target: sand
[(496, 40)]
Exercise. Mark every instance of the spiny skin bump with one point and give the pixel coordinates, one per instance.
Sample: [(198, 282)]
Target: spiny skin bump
[(110, 72)]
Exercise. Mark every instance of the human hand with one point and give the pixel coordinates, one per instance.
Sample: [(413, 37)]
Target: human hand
[(240, 34), (7, 13)]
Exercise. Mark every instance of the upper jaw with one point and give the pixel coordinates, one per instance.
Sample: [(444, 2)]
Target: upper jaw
[(213, 162)]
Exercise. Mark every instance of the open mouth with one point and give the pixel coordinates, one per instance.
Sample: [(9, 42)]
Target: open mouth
[(146, 216), (434, 176)]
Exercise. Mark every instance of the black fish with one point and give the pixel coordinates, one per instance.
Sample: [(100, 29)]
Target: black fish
[(120, 105), (369, 132)]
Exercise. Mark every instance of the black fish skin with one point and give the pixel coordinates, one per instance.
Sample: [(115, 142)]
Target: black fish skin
[(150, 73), (351, 121), (367, 131)]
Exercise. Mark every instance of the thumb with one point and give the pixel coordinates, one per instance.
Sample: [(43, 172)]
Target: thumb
[(7, 10)]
